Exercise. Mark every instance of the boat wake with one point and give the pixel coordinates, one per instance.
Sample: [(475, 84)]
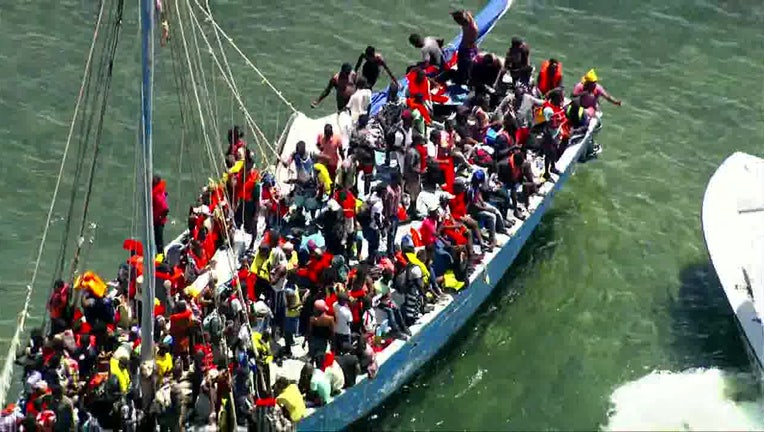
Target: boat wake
[(697, 399)]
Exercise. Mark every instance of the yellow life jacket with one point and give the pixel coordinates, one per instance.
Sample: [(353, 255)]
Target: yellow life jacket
[(90, 281), (411, 256), (262, 349), (291, 399), (260, 266), (164, 365), (123, 375)]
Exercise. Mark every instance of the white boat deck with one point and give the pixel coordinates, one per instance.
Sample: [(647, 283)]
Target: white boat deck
[(733, 226)]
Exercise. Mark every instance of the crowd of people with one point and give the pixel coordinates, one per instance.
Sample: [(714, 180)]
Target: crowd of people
[(370, 231)]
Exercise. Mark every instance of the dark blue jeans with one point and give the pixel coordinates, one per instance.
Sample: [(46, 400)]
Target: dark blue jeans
[(392, 229), (372, 238)]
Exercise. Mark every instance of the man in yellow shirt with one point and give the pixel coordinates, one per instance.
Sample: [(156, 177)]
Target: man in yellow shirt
[(324, 179)]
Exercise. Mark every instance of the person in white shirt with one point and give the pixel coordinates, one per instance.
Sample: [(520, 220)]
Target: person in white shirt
[(360, 101), (343, 317)]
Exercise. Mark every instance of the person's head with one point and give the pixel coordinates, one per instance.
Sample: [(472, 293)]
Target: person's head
[(392, 92), (481, 101), (489, 59), (345, 69), (516, 42), (370, 52), (459, 16), (449, 125), (328, 130), (301, 147), (435, 137), (273, 238), (305, 376), (556, 97), (342, 299), (361, 83), (319, 307), (155, 180), (280, 385), (234, 134), (478, 177), (407, 118), (590, 80), (416, 40), (509, 124)]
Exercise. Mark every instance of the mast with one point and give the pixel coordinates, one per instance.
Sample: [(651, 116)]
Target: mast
[(146, 169)]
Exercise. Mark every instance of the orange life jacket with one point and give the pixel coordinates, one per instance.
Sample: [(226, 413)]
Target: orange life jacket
[(419, 88), (546, 82)]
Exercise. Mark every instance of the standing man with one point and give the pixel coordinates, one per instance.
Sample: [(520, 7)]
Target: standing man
[(344, 85), (467, 47), (431, 48), (372, 61), (160, 210)]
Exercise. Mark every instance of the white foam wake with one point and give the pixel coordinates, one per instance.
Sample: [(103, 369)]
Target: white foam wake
[(697, 399)]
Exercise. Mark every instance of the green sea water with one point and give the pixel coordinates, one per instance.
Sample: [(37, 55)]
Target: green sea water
[(614, 284)]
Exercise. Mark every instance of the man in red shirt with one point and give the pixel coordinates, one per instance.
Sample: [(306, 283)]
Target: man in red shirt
[(347, 201), (429, 228)]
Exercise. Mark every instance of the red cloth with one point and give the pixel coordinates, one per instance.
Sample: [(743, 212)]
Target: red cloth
[(328, 360), (458, 205), (428, 231), (330, 300), (159, 201), (449, 172), (521, 135), (348, 204)]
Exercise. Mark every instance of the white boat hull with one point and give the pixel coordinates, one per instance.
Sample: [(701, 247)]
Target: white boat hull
[(733, 227)]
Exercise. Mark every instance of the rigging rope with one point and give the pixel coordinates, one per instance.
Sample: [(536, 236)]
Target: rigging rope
[(7, 372), (196, 93), (249, 63), (250, 121), (84, 132), (99, 131)]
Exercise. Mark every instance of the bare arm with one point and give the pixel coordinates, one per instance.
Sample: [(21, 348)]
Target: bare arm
[(383, 63), (358, 63), (611, 99), (324, 94)]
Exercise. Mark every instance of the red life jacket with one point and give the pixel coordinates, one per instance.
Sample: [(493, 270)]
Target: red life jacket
[(58, 302), (547, 82), (458, 205)]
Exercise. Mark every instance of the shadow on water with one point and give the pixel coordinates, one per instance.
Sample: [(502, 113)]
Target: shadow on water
[(539, 247), (703, 328)]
